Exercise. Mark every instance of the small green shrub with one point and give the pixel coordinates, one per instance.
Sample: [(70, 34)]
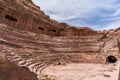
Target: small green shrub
[(46, 78)]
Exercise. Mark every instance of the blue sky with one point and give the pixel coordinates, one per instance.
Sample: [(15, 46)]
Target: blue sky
[(96, 14)]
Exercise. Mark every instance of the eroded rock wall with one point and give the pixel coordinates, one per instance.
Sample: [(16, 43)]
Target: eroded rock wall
[(11, 71), (26, 16), (25, 39), (27, 20)]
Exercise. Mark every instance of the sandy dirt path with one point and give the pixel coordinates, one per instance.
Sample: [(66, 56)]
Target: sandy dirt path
[(83, 71)]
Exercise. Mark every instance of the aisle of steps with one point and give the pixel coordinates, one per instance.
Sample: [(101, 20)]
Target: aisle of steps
[(33, 65)]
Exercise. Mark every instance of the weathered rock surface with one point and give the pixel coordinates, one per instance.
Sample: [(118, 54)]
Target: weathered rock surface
[(30, 39), (25, 15), (10, 71)]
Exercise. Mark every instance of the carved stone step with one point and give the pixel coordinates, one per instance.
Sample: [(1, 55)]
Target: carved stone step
[(29, 63), (17, 59), (32, 60), (39, 68), (32, 66), (22, 63), (12, 58)]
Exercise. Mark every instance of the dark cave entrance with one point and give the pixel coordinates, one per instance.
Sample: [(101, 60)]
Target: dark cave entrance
[(40, 28), (111, 59), (11, 18), (53, 30)]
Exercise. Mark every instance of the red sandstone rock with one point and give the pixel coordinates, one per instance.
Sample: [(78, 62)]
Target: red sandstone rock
[(27, 16), (11, 71), (31, 39)]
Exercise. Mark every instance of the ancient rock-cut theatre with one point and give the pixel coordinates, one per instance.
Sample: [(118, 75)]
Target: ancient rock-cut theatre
[(29, 39)]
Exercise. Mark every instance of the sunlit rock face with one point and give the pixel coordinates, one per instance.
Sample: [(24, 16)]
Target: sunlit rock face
[(29, 39), (25, 15)]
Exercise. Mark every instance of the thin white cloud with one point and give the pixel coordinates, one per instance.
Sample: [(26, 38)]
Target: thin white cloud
[(112, 25), (92, 13)]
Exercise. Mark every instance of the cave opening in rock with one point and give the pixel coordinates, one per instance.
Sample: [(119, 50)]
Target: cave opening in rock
[(111, 59), (40, 28), (11, 18), (53, 30)]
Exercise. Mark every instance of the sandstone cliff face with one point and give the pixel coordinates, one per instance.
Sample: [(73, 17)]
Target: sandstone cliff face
[(11, 71), (72, 31), (29, 38), (23, 14), (37, 51)]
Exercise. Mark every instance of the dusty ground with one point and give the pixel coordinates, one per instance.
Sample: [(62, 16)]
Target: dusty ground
[(83, 72)]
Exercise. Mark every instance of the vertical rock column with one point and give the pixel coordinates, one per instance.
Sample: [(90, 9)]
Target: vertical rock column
[(23, 21), (29, 23), (3, 11)]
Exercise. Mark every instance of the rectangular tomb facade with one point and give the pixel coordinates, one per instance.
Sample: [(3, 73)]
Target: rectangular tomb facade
[(26, 21)]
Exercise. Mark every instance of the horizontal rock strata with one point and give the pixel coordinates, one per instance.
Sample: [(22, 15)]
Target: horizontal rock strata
[(29, 38)]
